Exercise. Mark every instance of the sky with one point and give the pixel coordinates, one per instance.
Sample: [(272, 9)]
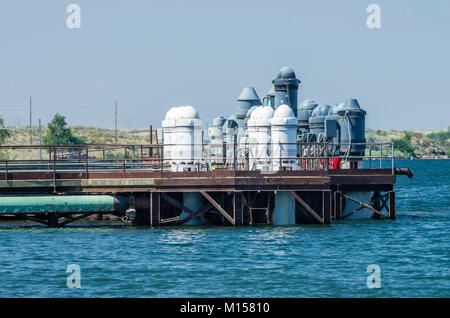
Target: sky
[(151, 55)]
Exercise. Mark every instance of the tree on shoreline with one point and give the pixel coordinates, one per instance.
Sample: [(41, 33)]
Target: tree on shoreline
[(4, 133), (404, 145), (59, 134)]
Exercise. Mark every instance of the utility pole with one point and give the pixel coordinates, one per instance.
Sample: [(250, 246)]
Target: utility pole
[(40, 140), (31, 132), (115, 122), (151, 135)]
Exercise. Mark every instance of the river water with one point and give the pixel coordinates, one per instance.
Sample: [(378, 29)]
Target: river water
[(412, 253)]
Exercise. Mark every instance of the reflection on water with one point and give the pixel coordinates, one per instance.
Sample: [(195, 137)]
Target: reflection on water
[(182, 236)]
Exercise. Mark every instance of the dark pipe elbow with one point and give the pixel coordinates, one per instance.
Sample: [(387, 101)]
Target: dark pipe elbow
[(404, 172)]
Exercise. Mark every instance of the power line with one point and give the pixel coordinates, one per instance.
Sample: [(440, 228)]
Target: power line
[(13, 101), (14, 128), (16, 114)]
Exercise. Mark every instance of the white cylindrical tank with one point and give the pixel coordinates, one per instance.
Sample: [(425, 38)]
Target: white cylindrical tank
[(284, 138), (259, 138), (242, 152), (168, 129), (215, 134), (230, 132), (182, 135)]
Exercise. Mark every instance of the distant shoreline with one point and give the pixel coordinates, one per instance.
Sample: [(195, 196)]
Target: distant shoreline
[(425, 146)]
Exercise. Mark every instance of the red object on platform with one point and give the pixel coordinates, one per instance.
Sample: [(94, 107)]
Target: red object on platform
[(335, 163)]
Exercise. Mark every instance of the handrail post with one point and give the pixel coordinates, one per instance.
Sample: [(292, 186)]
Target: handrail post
[(302, 162), (87, 162), (281, 159), (315, 157), (234, 155), (161, 158), (248, 157), (392, 158), (381, 155), (54, 163)]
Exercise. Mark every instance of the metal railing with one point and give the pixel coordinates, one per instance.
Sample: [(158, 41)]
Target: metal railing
[(314, 156)]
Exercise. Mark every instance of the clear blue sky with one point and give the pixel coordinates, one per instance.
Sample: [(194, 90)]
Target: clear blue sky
[(150, 55)]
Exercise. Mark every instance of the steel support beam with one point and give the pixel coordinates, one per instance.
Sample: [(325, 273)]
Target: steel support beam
[(179, 205), (176, 203), (71, 219), (307, 207), (356, 210), (175, 219), (195, 214), (364, 205), (35, 219), (218, 207)]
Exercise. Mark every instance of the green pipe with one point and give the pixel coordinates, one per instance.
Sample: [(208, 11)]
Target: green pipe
[(62, 203)]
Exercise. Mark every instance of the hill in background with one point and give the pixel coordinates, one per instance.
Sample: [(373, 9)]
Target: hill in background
[(424, 143)]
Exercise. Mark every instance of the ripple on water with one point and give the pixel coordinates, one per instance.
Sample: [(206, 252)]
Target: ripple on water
[(298, 261)]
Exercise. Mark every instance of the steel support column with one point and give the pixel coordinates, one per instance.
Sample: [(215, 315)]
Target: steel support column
[(392, 215), (155, 209), (338, 205)]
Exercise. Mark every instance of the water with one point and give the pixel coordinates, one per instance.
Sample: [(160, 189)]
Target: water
[(298, 261)]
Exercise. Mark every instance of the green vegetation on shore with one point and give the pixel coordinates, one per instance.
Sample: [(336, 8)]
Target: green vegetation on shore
[(4, 133), (59, 134), (414, 143), (404, 145)]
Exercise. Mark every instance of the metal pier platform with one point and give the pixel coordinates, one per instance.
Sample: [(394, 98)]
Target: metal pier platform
[(233, 196)]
